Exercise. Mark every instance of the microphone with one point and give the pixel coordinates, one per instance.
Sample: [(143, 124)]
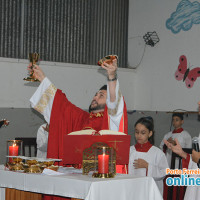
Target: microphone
[(195, 146)]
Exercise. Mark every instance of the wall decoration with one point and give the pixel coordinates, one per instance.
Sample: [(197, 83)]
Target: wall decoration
[(184, 17), (137, 47), (151, 38), (185, 74)]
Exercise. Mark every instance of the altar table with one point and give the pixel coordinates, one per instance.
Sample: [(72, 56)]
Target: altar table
[(76, 185)]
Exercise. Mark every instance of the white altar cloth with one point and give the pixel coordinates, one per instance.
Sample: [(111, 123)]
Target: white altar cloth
[(76, 185)]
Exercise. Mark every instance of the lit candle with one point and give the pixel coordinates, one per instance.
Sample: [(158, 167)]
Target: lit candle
[(13, 151), (103, 163)]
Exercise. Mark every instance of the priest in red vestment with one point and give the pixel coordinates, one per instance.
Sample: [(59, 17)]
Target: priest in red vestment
[(107, 111)]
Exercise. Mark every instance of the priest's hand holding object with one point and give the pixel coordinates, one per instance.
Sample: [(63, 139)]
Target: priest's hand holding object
[(109, 63), (37, 72), (34, 58)]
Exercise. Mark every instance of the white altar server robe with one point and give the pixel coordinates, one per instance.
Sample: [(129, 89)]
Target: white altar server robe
[(42, 142), (157, 164)]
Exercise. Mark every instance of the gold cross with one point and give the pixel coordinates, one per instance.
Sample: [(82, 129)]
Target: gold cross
[(115, 144)]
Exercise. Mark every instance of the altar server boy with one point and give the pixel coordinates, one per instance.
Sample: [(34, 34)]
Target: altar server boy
[(182, 136)]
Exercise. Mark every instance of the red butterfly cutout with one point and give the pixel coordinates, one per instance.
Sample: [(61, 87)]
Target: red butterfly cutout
[(189, 76)]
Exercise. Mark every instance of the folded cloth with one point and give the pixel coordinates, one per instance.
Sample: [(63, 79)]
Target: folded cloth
[(70, 170), (51, 172)]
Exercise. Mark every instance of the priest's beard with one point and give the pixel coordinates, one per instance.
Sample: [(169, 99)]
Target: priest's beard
[(97, 107)]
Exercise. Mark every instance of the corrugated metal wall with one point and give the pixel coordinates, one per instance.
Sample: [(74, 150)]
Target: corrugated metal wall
[(72, 31), (10, 26)]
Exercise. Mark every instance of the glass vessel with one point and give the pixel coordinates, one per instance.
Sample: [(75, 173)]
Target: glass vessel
[(105, 162), (14, 149)]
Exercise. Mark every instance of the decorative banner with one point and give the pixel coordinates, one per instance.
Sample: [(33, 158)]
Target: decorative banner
[(184, 17), (185, 74)]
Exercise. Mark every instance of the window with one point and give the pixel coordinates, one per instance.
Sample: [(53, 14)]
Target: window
[(71, 31)]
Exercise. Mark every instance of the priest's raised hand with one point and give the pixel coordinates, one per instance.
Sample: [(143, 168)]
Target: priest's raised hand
[(111, 77), (37, 72)]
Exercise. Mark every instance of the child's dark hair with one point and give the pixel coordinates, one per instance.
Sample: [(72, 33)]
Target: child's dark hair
[(148, 123), (180, 115)]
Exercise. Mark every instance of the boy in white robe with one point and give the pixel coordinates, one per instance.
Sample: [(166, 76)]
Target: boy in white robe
[(146, 159), (183, 137)]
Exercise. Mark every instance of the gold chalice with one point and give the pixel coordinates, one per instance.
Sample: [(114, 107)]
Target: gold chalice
[(33, 57), (48, 163), (31, 162)]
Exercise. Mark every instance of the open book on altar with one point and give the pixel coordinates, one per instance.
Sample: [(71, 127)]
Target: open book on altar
[(76, 142), (93, 132)]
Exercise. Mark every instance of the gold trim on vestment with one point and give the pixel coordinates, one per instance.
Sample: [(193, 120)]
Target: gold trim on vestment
[(99, 114), (46, 97), (113, 112)]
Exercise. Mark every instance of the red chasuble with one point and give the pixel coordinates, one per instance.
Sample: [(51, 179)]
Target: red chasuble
[(67, 118)]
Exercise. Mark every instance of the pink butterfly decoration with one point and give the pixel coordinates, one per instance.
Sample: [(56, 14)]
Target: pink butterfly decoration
[(185, 74)]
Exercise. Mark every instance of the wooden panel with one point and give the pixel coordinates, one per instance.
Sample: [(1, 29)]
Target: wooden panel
[(13, 194), (75, 199)]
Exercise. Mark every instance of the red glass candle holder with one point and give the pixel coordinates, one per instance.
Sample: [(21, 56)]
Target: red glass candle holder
[(14, 149), (105, 162)]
